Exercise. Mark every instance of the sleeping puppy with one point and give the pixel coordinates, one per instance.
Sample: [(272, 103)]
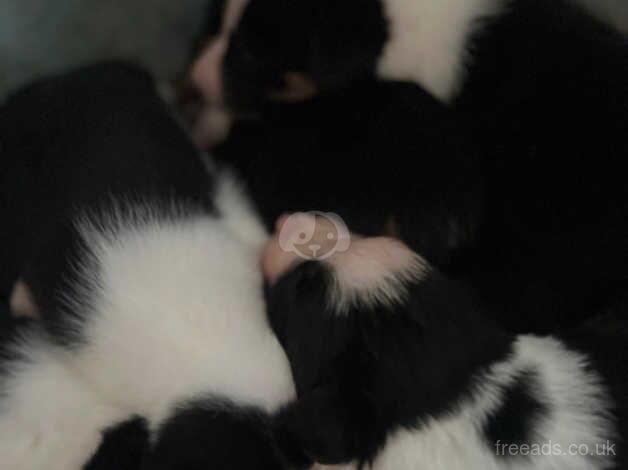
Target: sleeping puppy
[(386, 157), (277, 49), (397, 368), (540, 86), (144, 270)]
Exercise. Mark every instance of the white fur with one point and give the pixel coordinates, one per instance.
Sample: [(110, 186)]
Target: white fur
[(374, 271), (175, 311), (573, 395), (427, 41), (236, 210), (49, 418)]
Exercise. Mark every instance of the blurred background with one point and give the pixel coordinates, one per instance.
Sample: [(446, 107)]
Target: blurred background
[(43, 36)]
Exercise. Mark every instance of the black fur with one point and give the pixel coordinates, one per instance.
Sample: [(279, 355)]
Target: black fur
[(604, 338), (386, 157), (69, 145), (364, 374), (124, 447), (547, 98), (544, 97), (218, 432), (518, 414), (323, 39), (94, 142)]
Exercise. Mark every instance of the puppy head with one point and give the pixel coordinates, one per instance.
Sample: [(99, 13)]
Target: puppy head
[(288, 50), (316, 303), (375, 338)]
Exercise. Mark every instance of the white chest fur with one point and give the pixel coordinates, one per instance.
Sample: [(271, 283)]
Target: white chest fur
[(175, 311)]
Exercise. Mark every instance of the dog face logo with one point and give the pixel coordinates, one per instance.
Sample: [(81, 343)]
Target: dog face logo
[(314, 235)]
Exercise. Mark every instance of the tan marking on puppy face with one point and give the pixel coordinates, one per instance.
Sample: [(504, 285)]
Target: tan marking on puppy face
[(22, 303), (297, 87)]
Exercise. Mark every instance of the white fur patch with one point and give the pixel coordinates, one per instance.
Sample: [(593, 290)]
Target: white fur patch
[(428, 39), (50, 419), (180, 313), (236, 210), (374, 271), (578, 414), (175, 311)]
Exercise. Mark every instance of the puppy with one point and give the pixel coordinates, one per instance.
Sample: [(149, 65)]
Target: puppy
[(540, 87), (279, 49), (386, 157), (144, 270), (396, 367)]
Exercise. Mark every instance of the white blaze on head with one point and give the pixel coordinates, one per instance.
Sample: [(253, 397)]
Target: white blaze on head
[(206, 71), (366, 271), (375, 271)]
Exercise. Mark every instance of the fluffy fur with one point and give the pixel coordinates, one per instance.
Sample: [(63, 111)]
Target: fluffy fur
[(429, 382), (145, 269), (427, 42), (326, 155), (540, 86)]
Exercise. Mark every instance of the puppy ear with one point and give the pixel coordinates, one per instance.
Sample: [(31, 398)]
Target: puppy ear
[(297, 87), (325, 426)]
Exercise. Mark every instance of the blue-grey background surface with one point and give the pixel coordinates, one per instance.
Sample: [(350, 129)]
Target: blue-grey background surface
[(44, 36)]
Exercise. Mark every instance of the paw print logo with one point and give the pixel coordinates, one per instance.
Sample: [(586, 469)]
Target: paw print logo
[(313, 235)]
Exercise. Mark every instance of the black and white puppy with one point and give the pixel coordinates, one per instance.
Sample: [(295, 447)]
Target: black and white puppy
[(540, 85), (144, 269), (397, 368), (327, 154), (386, 157), (271, 49)]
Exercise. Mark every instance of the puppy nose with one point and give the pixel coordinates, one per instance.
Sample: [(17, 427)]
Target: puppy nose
[(314, 247)]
